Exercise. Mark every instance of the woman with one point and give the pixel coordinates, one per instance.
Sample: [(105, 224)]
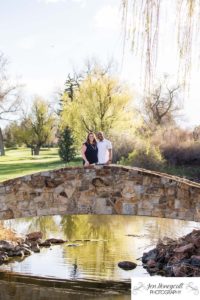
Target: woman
[(89, 150)]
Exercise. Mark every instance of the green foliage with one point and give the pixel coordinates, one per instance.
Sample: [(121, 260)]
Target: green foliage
[(145, 156), (71, 86), (17, 134), (9, 135), (42, 122), (66, 145), (19, 162), (36, 129), (100, 103)]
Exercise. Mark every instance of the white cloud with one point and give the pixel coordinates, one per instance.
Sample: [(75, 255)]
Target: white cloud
[(108, 17)]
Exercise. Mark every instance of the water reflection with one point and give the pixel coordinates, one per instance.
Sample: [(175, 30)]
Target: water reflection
[(111, 239), (19, 291)]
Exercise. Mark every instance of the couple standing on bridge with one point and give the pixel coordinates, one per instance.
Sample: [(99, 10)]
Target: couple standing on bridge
[(96, 151)]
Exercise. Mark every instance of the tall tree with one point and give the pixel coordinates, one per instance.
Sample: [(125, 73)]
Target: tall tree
[(100, 103), (9, 97), (9, 134), (72, 84), (36, 129), (161, 107)]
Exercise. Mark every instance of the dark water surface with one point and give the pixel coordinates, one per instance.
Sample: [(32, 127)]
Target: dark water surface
[(111, 239)]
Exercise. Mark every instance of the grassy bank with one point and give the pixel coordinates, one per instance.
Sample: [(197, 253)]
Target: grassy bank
[(19, 162), (8, 234), (189, 172)]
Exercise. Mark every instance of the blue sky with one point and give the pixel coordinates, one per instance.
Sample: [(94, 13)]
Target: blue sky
[(45, 39)]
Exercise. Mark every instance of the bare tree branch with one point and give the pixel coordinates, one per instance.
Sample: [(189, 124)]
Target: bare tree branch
[(9, 97)]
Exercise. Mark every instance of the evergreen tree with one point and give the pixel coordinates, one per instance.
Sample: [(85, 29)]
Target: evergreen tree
[(72, 84), (66, 145)]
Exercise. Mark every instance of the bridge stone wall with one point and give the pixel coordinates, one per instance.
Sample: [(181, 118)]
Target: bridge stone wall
[(100, 190)]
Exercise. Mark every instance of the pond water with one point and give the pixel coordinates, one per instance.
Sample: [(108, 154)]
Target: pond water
[(111, 239)]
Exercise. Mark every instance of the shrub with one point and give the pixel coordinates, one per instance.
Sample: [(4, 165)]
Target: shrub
[(171, 135), (122, 145), (187, 153), (177, 146), (145, 156)]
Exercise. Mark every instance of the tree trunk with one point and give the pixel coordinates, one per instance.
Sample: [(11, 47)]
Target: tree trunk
[(37, 150), (2, 151)]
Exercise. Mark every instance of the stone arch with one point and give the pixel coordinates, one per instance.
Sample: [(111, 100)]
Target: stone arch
[(101, 189)]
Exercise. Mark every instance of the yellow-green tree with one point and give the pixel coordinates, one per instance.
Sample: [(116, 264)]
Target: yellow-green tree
[(102, 102), (36, 129)]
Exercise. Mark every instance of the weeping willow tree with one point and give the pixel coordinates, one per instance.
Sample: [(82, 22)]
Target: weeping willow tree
[(153, 25), (102, 102)]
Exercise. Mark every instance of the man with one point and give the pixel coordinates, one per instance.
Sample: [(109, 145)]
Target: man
[(104, 149)]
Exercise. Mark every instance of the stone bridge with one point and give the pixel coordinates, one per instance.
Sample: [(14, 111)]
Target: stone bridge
[(100, 190)]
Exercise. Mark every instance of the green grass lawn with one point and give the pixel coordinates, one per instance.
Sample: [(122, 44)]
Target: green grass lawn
[(188, 172), (19, 162)]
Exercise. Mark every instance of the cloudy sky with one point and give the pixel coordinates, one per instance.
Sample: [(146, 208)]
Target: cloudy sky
[(45, 40)]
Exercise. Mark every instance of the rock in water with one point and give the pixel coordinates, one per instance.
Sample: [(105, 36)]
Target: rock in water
[(73, 245), (127, 265), (7, 246), (175, 258), (34, 236), (55, 241), (35, 248), (3, 257), (45, 244)]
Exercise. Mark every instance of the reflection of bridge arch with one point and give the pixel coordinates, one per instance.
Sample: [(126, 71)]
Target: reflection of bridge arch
[(196, 133), (100, 190)]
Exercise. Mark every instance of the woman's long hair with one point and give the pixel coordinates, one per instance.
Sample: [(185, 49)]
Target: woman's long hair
[(95, 139)]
